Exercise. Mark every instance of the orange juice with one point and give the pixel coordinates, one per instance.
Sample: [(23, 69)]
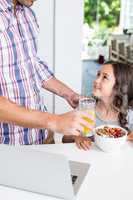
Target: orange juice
[(87, 131), (88, 104)]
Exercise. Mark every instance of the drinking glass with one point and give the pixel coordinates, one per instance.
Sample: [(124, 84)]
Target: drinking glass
[(88, 104)]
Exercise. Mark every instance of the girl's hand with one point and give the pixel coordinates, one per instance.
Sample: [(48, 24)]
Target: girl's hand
[(83, 142), (130, 137)]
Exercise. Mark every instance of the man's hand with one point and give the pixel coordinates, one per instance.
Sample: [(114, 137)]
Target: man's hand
[(73, 100), (70, 123)]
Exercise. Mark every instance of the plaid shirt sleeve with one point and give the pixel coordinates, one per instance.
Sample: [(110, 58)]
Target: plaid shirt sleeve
[(43, 72)]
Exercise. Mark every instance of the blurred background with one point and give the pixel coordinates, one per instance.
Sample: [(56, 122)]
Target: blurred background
[(107, 34), (77, 36)]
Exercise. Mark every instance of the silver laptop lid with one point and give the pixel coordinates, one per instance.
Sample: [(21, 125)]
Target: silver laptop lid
[(35, 171)]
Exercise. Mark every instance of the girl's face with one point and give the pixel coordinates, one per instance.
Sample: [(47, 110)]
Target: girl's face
[(104, 83)]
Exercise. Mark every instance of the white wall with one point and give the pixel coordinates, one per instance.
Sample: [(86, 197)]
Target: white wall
[(44, 13), (60, 42), (68, 37)]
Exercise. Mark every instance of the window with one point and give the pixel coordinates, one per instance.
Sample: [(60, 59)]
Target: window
[(126, 17), (101, 17)]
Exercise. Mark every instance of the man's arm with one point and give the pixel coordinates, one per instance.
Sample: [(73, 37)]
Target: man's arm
[(70, 123), (62, 90), (12, 113), (50, 83)]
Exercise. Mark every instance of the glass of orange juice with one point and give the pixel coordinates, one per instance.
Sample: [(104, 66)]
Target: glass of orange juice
[(88, 104)]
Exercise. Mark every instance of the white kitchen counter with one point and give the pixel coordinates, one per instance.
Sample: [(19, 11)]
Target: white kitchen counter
[(110, 176)]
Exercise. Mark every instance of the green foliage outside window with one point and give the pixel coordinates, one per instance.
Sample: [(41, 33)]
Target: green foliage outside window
[(103, 16), (106, 11)]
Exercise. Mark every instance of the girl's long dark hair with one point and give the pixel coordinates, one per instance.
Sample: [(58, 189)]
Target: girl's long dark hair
[(123, 90)]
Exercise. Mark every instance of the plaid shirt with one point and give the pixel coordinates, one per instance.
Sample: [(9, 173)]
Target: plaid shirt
[(21, 71)]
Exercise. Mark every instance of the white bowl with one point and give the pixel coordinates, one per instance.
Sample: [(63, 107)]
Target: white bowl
[(109, 144)]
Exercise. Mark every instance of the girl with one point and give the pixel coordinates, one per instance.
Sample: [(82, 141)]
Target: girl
[(113, 89)]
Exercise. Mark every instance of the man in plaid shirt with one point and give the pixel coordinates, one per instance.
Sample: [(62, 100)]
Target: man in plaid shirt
[(22, 75)]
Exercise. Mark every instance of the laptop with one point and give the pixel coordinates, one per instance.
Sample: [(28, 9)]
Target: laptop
[(41, 172)]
